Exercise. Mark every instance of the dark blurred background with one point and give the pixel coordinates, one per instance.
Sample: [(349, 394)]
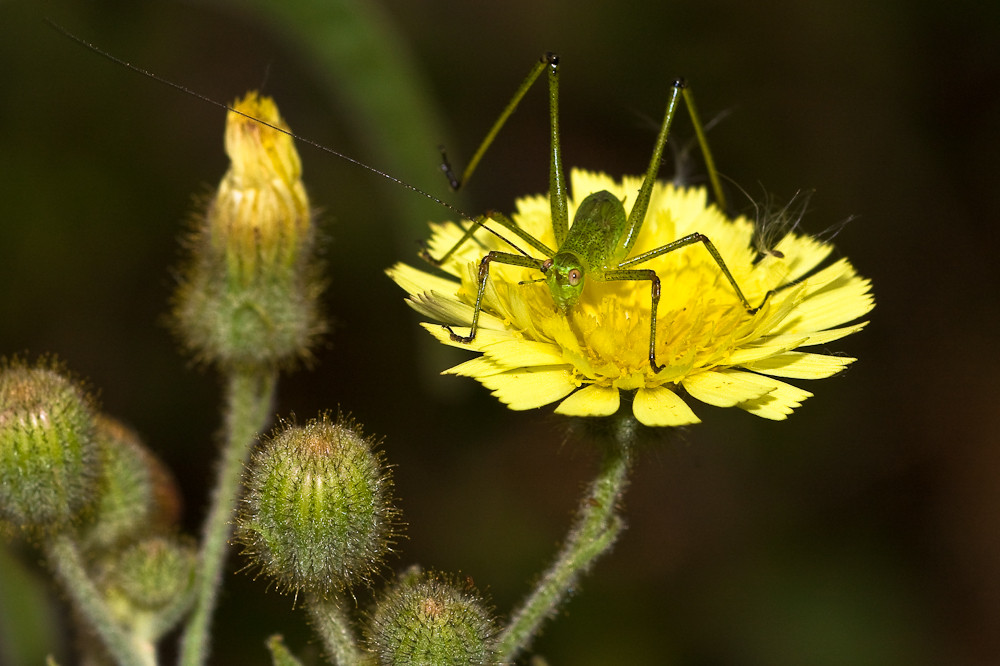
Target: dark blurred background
[(863, 530)]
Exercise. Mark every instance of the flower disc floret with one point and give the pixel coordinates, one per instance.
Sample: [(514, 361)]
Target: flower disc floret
[(533, 354)]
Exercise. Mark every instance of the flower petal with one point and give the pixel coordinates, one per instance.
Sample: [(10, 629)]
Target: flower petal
[(725, 388), (767, 348), (416, 281), (777, 404), (803, 254), (834, 296), (660, 406), (513, 353), (441, 308), (790, 341), (484, 336), (530, 388), (800, 365), (591, 400), (477, 368)]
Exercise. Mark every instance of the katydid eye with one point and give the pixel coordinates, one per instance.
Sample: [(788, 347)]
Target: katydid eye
[(574, 276)]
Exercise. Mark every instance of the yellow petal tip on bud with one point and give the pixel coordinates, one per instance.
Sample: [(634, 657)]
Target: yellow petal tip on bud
[(258, 150), (249, 295)]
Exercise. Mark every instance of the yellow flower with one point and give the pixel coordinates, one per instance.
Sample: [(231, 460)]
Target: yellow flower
[(533, 354)]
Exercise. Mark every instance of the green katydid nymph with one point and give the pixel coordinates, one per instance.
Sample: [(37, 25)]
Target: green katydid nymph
[(598, 243)]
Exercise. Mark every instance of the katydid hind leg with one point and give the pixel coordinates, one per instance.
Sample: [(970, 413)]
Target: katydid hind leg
[(679, 90), (557, 179), (706, 152), (638, 213)]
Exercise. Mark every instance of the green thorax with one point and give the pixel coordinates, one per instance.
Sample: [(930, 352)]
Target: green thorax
[(592, 245)]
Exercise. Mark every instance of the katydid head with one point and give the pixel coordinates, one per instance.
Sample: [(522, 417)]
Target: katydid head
[(565, 274)]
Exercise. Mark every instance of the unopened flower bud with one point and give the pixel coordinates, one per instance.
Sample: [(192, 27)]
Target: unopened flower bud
[(317, 514), (135, 491), (427, 619), (149, 584), (48, 455), (249, 294)]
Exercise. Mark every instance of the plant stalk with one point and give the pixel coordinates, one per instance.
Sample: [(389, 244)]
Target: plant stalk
[(333, 625), (249, 405), (64, 557), (596, 529)]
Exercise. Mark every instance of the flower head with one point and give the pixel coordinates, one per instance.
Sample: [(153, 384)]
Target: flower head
[(250, 292), (533, 353)]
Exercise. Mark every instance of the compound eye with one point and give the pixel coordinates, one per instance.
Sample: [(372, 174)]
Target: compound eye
[(574, 276)]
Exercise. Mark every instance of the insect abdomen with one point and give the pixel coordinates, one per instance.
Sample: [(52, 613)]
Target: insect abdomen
[(597, 230)]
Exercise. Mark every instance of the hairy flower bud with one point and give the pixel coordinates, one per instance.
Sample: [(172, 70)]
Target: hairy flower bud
[(48, 455), (427, 619), (149, 584), (249, 295), (317, 514), (135, 493)]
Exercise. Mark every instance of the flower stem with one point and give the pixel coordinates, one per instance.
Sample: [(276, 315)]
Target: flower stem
[(334, 627), (64, 557), (250, 397), (595, 531)]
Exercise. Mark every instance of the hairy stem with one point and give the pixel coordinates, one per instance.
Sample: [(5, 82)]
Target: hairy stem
[(248, 410), (66, 561), (596, 528), (333, 624)]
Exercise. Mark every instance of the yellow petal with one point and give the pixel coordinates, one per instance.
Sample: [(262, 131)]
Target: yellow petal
[(441, 308), (484, 336), (513, 353), (591, 400), (530, 388), (803, 253), (725, 388), (476, 368), (834, 296), (777, 404), (806, 339), (765, 349), (416, 281), (800, 365), (660, 406)]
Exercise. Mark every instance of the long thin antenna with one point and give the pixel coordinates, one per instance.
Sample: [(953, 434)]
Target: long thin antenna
[(315, 144)]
